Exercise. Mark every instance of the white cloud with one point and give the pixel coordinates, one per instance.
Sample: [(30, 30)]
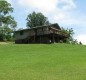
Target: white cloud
[(82, 38), (58, 10), (48, 5), (67, 4), (9, 1)]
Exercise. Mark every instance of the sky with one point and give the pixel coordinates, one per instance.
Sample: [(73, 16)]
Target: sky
[(67, 13)]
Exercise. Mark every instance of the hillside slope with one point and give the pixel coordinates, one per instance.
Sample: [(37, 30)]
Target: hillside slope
[(42, 62)]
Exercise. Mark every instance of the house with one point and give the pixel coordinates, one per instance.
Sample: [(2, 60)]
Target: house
[(41, 34)]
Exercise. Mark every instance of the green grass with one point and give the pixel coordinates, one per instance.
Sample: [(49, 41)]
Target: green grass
[(42, 62)]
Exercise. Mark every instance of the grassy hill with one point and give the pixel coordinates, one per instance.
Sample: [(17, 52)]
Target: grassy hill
[(42, 62)]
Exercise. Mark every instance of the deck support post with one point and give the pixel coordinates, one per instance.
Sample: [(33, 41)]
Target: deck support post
[(53, 38), (40, 39)]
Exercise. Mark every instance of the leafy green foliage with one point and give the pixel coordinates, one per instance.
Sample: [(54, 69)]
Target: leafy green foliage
[(5, 33), (5, 8), (7, 22), (36, 19), (70, 33)]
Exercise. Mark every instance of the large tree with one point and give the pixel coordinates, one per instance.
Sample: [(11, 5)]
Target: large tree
[(70, 33), (7, 22), (36, 19)]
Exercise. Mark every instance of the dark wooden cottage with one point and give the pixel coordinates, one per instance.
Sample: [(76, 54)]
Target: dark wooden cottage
[(42, 34)]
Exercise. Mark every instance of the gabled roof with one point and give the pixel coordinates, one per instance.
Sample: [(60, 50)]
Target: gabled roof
[(52, 25), (55, 26)]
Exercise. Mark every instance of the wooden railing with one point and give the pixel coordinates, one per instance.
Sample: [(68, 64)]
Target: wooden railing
[(59, 32), (43, 32), (49, 31)]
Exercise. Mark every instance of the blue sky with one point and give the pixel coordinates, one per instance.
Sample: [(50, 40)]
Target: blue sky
[(67, 13)]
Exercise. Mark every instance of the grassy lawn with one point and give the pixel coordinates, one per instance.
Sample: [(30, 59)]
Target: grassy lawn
[(42, 62)]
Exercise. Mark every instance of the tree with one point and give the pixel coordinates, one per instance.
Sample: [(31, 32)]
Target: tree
[(7, 22), (80, 43), (70, 33), (36, 19)]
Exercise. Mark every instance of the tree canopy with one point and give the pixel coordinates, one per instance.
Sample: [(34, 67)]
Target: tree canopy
[(5, 17), (36, 19), (7, 22), (70, 33)]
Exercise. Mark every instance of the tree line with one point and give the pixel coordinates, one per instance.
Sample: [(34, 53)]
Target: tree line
[(8, 24)]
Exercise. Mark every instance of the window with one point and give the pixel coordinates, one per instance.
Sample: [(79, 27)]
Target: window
[(21, 32)]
